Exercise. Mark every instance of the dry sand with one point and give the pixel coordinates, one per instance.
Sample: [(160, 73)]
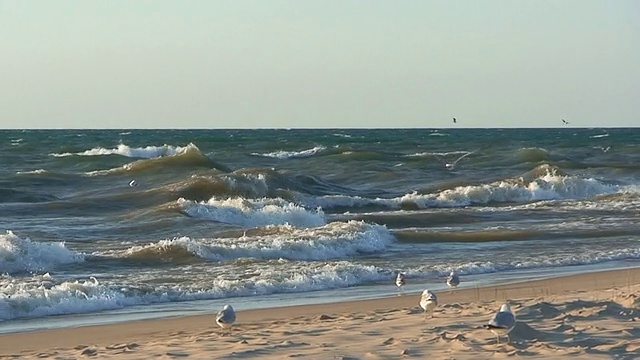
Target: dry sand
[(589, 316)]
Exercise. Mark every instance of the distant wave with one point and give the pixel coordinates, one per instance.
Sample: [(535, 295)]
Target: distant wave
[(599, 136), (201, 187), (435, 133), (282, 154), (37, 171), (533, 154), (22, 255), (250, 212), (13, 195), (542, 183), (186, 156), (342, 135), (148, 152)]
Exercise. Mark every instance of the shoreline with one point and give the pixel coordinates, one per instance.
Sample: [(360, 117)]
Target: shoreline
[(603, 284)]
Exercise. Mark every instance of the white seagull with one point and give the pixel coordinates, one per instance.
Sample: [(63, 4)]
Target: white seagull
[(453, 280), (452, 165), (428, 302), (225, 318), (400, 282), (502, 322)]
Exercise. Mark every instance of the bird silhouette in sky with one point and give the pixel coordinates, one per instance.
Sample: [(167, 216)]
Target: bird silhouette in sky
[(455, 121), (565, 122)]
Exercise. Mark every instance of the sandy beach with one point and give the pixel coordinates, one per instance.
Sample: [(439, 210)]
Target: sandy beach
[(593, 315)]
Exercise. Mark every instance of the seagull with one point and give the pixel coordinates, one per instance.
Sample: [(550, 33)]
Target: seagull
[(453, 280), (452, 165), (565, 122), (400, 282), (133, 183), (225, 318), (455, 121), (428, 302), (502, 322)]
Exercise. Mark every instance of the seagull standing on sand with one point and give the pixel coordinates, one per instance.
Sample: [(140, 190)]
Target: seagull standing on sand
[(225, 318), (428, 302), (453, 280), (502, 322), (400, 282)]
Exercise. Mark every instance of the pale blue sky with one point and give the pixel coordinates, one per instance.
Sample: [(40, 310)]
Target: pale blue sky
[(342, 63)]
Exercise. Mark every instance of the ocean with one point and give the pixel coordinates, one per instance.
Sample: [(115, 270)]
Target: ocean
[(110, 225)]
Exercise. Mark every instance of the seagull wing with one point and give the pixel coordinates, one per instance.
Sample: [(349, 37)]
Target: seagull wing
[(226, 316), (502, 320)]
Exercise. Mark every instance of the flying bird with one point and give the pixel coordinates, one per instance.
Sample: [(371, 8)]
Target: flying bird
[(452, 165), (428, 302), (453, 280), (502, 322), (400, 282), (565, 122), (225, 318), (455, 121)]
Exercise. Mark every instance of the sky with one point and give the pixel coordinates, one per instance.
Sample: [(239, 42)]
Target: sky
[(319, 64)]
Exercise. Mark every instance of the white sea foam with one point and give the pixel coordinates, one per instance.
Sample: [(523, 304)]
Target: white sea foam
[(148, 152), (21, 254), (252, 212), (342, 135), (253, 184), (37, 171), (44, 295), (546, 187), (292, 154), (332, 241), (437, 154)]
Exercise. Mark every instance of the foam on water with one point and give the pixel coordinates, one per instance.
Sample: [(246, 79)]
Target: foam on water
[(548, 186), (37, 171), (147, 152), (292, 154), (252, 212), (23, 255), (44, 295), (332, 241), (189, 155)]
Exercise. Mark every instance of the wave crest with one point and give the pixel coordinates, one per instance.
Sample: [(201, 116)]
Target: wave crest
[(332, 241), (282, 154), (23, 255), (252, 212)]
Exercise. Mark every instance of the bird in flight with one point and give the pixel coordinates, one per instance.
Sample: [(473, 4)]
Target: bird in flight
[(455, 121), (565, 122), (452, 165)]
